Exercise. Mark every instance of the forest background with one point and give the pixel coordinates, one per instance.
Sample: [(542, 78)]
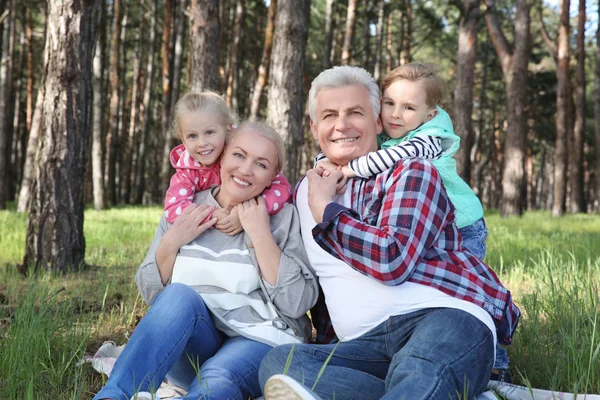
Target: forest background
[(87, 90)]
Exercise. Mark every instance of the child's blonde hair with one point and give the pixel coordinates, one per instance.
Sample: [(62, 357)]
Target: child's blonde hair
[(266, 131), (417, 72), (195, 101)]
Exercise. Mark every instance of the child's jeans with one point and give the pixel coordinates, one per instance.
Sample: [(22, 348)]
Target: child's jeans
[(473, 239)]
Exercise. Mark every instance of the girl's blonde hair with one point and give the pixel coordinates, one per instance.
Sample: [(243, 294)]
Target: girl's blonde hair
[(195, 101), (266, 131), (416, 72)]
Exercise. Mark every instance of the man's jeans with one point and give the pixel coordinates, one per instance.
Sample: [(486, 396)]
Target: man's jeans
[(179, 328), (429, 354), (473, 239)]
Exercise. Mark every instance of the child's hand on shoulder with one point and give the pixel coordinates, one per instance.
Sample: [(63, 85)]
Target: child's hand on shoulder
[(327, 165), (228, 221), (348, 173)]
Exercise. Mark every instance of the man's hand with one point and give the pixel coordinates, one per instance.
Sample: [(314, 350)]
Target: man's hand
[(322, 186), (254, 218), (228, 223)]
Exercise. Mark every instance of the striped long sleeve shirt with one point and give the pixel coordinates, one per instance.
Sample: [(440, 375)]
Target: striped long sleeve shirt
[(425, 147)]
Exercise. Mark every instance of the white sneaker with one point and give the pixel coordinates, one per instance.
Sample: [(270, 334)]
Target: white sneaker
[(145, 396), (282, 387)]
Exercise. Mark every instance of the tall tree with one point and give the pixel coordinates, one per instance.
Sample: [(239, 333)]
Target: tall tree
[(164, 165), (205, 33), (55, 226), (379, 40), (234, 55), (265, 64), (285, 98), (407, 34), (328, 24), (349, 35), (5, 82), (597, 111), (513, 62), (577, 200), (463, 91), (112, 136)]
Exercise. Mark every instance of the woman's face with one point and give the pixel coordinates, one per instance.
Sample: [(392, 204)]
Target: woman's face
[(248, 166)]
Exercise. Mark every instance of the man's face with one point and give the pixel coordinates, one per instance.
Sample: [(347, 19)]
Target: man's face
[(345, 125)]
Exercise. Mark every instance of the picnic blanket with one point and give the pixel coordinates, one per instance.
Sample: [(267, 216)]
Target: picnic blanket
[(106, 356)]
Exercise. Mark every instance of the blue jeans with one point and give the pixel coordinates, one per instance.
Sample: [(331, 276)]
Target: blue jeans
[(473, 239), (427, 354), (178, 331)]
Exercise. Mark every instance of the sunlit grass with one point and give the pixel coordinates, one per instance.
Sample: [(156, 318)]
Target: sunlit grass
[(551, 265)]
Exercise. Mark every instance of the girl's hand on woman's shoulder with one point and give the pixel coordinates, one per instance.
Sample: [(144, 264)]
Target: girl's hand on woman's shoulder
[(194, 220), (254, 217)]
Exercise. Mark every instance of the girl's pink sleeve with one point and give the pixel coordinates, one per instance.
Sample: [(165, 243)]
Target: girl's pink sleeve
[(278, 194), (180, 193)]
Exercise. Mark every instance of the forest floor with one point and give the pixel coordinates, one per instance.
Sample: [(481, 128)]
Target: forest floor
[(48, 321)]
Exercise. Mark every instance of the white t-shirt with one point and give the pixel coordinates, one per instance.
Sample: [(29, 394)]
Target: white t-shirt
[(358, 303)]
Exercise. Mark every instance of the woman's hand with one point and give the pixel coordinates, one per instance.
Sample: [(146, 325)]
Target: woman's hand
[(254, 217), (188, 226), (228, 222)]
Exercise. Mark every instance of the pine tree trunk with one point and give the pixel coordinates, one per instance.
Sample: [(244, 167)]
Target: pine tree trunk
[(55, 226), (263, 69), (349, 35), (205, 31), (389, 47), (285, 98), (463, 92), (563, 92), (513, 60), (329, 10), (30, 68), (379, 41), (178, 50), (576, 170), (163, 164), (234, 56), (597, 113), (407, 34), (145, 113), (5, 83)]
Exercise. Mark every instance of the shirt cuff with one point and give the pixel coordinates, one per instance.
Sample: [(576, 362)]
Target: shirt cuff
[(332, 210)]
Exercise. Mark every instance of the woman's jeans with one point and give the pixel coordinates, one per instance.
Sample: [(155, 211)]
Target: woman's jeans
[(436, 353), (178, 331), (473, 239)]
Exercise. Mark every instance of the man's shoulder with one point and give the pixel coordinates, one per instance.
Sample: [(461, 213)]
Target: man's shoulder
[(410, 166), (301, 183)]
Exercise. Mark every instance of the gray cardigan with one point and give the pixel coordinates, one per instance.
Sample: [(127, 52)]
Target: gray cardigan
[(297, 288)]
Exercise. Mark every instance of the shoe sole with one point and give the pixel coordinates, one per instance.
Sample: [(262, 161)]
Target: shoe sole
[(281, 387)]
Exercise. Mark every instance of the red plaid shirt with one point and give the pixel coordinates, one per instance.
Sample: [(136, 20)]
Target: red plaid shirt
[(401, 227)]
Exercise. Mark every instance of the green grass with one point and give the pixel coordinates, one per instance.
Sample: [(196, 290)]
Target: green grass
[(48, 321)]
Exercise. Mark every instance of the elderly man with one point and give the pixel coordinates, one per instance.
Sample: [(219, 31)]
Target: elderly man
[(416, 316)]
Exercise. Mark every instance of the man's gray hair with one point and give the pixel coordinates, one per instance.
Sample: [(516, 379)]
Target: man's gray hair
[(340, 76)]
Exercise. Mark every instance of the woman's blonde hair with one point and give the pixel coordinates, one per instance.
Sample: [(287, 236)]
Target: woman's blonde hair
[(202, 101), (266, 131), (416, 72)]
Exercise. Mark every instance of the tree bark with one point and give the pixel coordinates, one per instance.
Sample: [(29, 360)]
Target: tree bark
[(407, 34), (463, 92), (145, 113), (285, 98), (597, 113), (55, 226), (329, 11), (205, 31), (576, 170), (5, 83), (263, 70), (163, 164), (563, 91), (349, 35), (389, 47), (513, 61), (234, 56), (379, 41), (30, 68)]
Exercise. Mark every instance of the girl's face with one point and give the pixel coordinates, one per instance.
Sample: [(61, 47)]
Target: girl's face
[(203, 134), (404, 109), (248, 166)]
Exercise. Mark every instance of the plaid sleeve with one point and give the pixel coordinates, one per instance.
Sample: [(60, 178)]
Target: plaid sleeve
[(414, 208)]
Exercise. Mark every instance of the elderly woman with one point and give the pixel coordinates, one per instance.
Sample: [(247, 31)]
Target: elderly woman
[(219, 303)]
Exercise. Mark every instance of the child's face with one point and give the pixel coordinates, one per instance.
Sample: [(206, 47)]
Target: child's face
[(203, 135), (403, 108)]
